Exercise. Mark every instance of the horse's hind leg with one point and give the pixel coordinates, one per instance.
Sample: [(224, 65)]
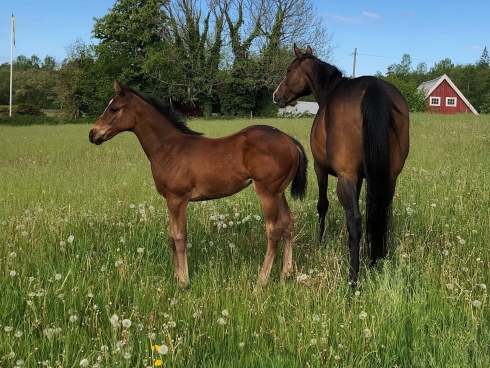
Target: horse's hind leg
[(322, 204), (348, 194)]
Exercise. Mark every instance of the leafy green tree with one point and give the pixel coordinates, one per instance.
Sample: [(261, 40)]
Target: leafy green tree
[(484, 59), (83, 88), (414, 97), (4, 84), (127, 35)]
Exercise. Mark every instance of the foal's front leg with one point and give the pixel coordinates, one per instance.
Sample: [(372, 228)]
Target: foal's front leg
[(177, 209)]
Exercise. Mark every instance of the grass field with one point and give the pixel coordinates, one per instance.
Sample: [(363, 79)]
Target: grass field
[(86, 271)]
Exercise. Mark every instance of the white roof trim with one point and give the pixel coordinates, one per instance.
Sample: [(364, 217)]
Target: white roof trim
[(431, 85)]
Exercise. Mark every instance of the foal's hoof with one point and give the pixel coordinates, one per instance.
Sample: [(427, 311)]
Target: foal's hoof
[(183, 284)]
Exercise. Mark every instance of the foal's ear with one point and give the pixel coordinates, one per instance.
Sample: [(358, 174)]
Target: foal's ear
[(297, 51), (309, 50)]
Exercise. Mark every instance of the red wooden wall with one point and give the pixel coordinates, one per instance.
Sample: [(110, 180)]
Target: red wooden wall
[(442, 91)]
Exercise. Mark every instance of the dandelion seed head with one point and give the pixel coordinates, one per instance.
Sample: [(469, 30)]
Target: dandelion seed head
[(70, 239), (126, 323), (12, 273), (57, 276), (84, 363), (224, 313), (367, 333), (476, 303), (222, 321), (363, 315), (163, 349)]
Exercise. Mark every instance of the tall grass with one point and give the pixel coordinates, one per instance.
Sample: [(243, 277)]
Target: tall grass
[(86, 271)]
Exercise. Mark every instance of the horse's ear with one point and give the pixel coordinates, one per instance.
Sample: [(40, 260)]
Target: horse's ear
[(121, 89), (118, 87), (297, 51), (309, 50)]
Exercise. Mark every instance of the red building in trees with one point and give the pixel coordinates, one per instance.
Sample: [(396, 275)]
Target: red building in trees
[(444, 97)]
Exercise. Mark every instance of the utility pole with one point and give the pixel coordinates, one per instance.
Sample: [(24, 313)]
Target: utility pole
[(354, 66), (12, 43)]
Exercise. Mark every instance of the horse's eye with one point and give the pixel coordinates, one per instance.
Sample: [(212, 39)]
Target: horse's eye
[(114, 109)]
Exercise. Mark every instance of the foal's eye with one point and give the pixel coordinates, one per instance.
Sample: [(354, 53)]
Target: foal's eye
[(114, 109)]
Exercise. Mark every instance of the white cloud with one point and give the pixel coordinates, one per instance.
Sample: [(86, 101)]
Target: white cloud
[(371, 15), (343, 19)]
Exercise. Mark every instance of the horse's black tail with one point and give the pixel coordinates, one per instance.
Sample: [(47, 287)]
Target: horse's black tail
[(377, 110), (300, 181)]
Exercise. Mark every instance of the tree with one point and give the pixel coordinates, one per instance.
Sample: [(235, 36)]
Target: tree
[(260, 34), (484, 59), (402, 70), (80, 84), (128, 34), (186, 60)]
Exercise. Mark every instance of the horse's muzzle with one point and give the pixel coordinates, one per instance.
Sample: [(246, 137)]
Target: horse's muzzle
[(91, 138)]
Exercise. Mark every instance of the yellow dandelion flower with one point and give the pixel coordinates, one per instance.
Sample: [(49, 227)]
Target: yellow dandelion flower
[(154, 347), (158, 362)]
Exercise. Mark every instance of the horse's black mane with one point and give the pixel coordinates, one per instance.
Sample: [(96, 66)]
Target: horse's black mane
[(332, 74), (172, 115)]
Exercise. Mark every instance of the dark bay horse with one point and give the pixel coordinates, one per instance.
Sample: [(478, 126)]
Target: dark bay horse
[(361, 131), (187, 166)]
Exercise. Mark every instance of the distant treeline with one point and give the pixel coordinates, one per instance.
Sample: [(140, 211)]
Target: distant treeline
[(227, 56)]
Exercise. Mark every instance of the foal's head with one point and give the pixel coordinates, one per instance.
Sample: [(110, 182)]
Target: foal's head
[(119, 116), (296, 83)]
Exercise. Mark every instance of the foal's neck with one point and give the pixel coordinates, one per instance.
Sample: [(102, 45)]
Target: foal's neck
[(154, 132)]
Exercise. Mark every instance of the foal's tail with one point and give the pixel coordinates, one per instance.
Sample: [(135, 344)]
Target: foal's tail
[(377, 109), (300, 182)]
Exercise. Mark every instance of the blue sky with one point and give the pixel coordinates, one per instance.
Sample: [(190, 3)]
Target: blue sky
[(381, 30)]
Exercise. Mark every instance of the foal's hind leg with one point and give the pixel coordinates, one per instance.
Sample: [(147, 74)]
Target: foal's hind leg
[(287, 223), (177, 210), (270, 208)]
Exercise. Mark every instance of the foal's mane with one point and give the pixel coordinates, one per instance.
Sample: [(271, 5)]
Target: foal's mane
[(175, 117)]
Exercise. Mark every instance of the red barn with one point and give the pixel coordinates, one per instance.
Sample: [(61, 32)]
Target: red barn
[(445, 98)]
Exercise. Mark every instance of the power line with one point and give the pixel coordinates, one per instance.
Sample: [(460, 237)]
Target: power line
[(397, 58)]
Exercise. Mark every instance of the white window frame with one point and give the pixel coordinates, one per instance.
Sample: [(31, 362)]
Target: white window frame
[(451, 98), (432, 101)]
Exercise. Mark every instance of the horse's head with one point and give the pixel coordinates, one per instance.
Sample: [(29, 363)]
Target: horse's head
[(117, 117), (295, 84)]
